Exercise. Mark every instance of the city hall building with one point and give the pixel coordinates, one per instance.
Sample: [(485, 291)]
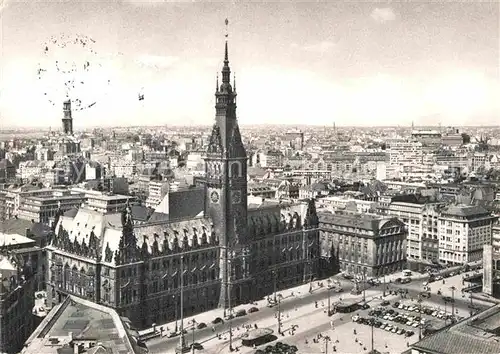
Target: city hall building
[(237, 247)]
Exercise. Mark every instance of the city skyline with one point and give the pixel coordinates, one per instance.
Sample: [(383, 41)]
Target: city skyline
[(353, 64)]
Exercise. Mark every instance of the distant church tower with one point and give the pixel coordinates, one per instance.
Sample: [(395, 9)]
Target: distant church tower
[(67, 120), (226, 187)]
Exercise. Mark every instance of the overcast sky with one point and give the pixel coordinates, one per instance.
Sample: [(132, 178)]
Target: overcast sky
[(352, 63)]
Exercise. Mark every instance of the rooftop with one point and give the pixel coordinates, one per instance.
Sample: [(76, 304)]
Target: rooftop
[(465, 210), (77, 320), (477, 334), (368, 222), (14, 239)]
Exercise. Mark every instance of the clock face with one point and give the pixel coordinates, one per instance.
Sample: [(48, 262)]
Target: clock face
[(236, 197), (214, 196)]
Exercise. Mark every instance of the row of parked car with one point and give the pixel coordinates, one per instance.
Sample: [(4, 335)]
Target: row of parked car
[(402, 318), (427, 311), (383, 325), (239, 313)]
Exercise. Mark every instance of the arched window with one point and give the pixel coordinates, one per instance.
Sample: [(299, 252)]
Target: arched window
[(235, 169), (67, 276)]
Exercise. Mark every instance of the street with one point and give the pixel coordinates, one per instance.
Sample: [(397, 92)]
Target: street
[(300, 310)]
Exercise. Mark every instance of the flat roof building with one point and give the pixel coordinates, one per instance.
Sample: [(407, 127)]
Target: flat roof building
[(477, 334)]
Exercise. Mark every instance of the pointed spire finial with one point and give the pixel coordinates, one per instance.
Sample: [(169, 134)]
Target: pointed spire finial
[(227, 28), (234, 81), (217, 83)]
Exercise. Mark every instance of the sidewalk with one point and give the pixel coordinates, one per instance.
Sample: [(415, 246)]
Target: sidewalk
[(298, 292), (208, 316), (301, 317)]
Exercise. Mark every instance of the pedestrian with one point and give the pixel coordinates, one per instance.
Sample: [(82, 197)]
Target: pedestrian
[(331, 324)]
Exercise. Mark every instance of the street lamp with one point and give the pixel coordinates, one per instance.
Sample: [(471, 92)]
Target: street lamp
[(181, 347), (372, 322), (194, 327), (453, 300), (364, 284), (279, 315), (384, 286), (445, 312), (229, 305), (420, 310), (329, 289), (274, 282), (326, 339), (176, 305)]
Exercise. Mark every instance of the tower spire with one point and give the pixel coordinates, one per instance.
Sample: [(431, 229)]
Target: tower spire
[(226, 71)]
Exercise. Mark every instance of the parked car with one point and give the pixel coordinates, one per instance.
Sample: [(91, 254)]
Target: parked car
[(385, 303), (253, 309), (448, 299), (196, 346), (218, 320), (201, 325), (240, 313), (405, 280)]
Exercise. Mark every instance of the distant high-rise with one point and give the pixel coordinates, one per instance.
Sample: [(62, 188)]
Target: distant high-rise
[(67, 118)]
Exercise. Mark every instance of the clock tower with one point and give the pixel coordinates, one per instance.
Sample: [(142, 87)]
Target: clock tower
[(226, 187)]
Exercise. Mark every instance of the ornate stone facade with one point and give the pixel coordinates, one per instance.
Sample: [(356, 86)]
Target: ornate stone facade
[(136, 268)]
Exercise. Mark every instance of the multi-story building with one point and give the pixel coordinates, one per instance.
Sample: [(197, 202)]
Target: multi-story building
[(7, 171), (288, 190), (236, 248), (463, 231), (295, 139), (25, 249), (268, 159), (261, 190), (121, 168), (362, 244), (93, 170), (495, 238), (421, 220), (106, 202), (16, 302), (34, 169), (156, 192), (404, 152), (195, 160), (427, 137), (43, 208)]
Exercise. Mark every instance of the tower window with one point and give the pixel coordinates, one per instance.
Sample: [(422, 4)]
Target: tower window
[(235, 169)]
